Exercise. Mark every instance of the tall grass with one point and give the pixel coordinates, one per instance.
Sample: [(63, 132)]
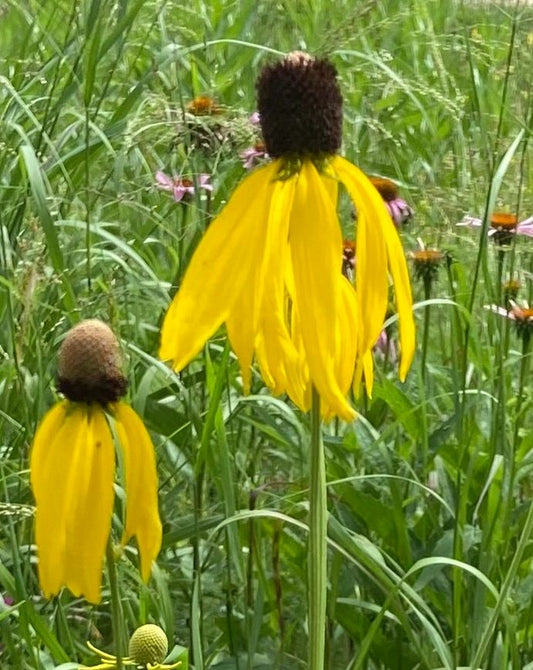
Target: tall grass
[(429, 490)]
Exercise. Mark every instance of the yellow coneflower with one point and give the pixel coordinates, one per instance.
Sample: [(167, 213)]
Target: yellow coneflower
[(203, 105), (148, 648), (72, 468), (269, 266)]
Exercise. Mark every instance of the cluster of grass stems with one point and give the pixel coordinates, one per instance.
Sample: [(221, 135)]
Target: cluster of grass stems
[(429, 492)]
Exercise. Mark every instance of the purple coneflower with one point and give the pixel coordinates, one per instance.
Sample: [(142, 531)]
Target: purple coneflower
[(385, 347), (253, 155), (522, 315), (398, 209), (180, 187), (502, 226)]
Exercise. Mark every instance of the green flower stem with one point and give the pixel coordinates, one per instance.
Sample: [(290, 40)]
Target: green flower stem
[(317, 548), (428, 281), (116, 606), (499, 287), (425, 337), (88, 240), (510, 457), (508, 581)]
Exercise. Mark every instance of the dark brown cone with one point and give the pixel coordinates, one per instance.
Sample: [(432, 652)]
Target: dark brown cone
[(300, 107), (90, 366)]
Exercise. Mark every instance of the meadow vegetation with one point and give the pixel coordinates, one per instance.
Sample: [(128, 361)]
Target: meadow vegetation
[(429, 490)]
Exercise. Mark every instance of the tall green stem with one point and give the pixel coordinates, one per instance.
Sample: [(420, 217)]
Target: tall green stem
[(116, 606), (317, 548), (425, 337), (506, 586)]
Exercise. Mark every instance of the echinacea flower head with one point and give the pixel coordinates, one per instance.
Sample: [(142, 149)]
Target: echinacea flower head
[(521, 315), (399, 210), (426, 263), (181, 187), (503, 226), (72, 468), (203, 105), (148, 649), (276, 280), (510, 290), (385, 346), (253, 155)]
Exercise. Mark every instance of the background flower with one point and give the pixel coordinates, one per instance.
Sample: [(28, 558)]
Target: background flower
[(501, 222), (398, 208), (180, 187), (253, 155)]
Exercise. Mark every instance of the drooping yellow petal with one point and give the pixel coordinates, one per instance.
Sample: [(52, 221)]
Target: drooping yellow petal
[(72, 465), (49, 470), (331, 185), (347, 334), (404, 299), (303, 366), (368, 372), (241, 333), (371, 274), (90, 505), (270, 241), (218, 272), (142, 515), (316, 245), (347, 341), (277, 356)]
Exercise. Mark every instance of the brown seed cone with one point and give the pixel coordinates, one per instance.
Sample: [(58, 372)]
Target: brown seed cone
[(300, 107), (90, 365)]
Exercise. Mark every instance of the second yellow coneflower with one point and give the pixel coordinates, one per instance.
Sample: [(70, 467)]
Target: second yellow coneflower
[(72, 468), (269, 266)]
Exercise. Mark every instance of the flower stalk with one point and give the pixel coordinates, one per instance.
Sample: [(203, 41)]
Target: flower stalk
[(317, 547), (116, 605)]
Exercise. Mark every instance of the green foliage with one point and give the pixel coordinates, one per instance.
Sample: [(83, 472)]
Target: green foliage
[(430, 556)]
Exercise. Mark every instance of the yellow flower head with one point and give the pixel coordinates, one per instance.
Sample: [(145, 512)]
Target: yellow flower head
[(72, 468), (277, 282), (147, 649)]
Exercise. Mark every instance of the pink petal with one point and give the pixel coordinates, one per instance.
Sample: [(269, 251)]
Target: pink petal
[(525, 229), (470, 221), (179, 192), (500, 310), (203, 181), (164, 180)]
